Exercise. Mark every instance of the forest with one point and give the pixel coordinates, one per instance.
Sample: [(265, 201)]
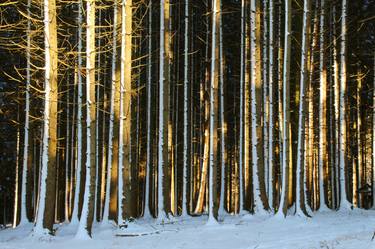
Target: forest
[(125, 111)]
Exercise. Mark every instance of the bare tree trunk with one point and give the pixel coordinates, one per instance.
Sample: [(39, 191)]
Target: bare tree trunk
[(16, 180), (344, 203), (186, 113), (146, 213), (323, 159), (271, 93), (223, 128), (78, 162), (23, 206), (286, 163), (163, 108), (373, 140), (213, 162), (87, 216), (260, 197), (300, 195), (359, 144), (45, 214), (243, 142), (112, 162), (124, 180)]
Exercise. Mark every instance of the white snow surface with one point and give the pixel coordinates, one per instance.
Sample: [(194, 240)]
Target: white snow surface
[(329, 229)]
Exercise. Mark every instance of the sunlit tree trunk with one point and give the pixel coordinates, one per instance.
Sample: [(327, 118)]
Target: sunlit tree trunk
[(25, 158), (112, 161), (16, 180), (213, 162), (163, 107), (309, 162), (300, 182), (336, 88), (124, 194), (323, 159), (204, 126), (85, 223), (286, 164), (260, 197), (344, 203), (359, 139), (45, 214), (67, 156), (78, 163)]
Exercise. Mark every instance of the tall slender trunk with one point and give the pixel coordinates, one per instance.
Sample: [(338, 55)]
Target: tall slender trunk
[(186, 112), (112, 162), (67, 157), (213, 163), (373, 140), (336, 88), (271, 94), (300, 182), (146, 213), (78, 163), (359, 141), (280, 108), (243, 142), (265, 94), (85, 223), (260, 197), (310, 134), (223, 128), (204, 126), (286, 126), (125, 112), (344, 203), (16, 180), (163, 107), (45, 214), (25, 158), (323, 159), (97, 124)]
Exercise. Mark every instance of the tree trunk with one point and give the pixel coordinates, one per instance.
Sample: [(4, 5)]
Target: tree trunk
[(124, 180), (244, 138), (213, 162), (286, 163), (113, 149), (46, 205), (344, 203), (186, 150), (323, 159), (147, 213), (25, 158), (87, 216), (78, 163), (163, 161), (300, 182), (260, 197), (271, 94)]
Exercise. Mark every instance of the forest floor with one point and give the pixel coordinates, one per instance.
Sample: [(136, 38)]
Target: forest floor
[(330, 230)]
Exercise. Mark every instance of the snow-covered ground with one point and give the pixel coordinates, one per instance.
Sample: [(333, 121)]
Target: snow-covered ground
[(325, 230)]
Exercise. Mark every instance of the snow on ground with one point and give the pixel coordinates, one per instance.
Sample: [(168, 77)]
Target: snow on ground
[(331, 230)]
